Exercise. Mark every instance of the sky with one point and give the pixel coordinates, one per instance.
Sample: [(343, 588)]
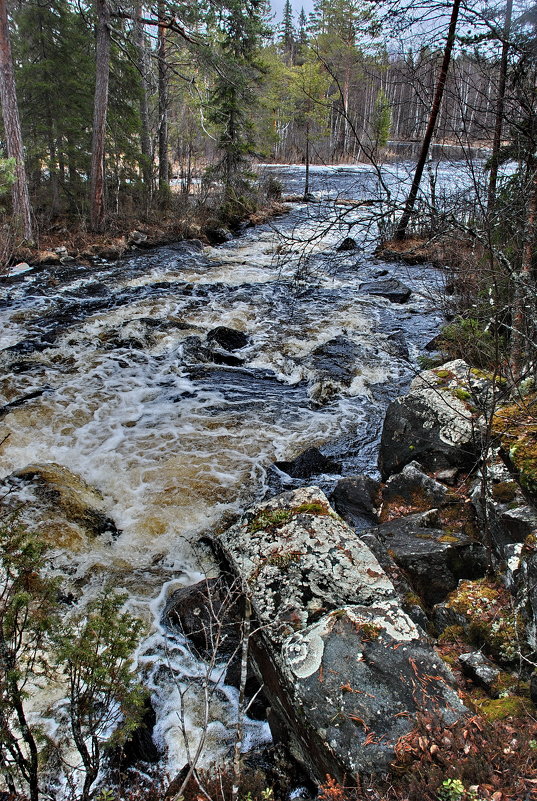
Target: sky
[(277, 7)]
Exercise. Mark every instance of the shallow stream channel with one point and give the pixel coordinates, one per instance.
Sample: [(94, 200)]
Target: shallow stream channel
[(124, 374)]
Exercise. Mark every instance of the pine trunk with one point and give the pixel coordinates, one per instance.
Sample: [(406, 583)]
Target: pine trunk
[(400, 232), (500, 102), (163, 177), (12, 126), (100, 108)]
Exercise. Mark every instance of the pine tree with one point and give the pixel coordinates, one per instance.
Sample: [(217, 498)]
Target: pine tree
[(288, 34), (10, 113), (100, 110), (233, 99)]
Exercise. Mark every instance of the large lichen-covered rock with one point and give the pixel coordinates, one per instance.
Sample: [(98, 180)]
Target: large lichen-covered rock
[(58, 503), (343, 666), (435, 424)]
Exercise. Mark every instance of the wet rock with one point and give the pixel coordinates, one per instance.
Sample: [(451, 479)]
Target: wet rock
[(389, 288), (59, 503), (136, 238), (344, 668), (348, 244), (228, 338), (205, 613), (431, 425), (396, 345), (217, 236), (140, 746), (337, 359), (309, 463), (46, 257), (433, 561), (194, 350), (480, 669), (355, 499), (411, 490)]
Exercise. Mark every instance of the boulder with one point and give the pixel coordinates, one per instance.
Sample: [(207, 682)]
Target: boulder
[(389, 288), (433, 561), (348, 244), (205, 613), (432, 424), (310, 462), (480, 670), (194, 350), (355, 499), (336, 359), (344, 668), (409, 491), (58, 503), (228, 338)]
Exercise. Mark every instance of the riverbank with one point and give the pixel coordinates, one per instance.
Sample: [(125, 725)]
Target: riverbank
[(67, 240)]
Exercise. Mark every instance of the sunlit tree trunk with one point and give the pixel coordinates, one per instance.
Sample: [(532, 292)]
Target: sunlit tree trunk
[(12, 126)]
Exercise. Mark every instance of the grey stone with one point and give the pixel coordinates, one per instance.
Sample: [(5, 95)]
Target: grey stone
[(430, 425), (355, 498), (480, 669), (310, 462), (432, 561), (343, 666), (390, 288)]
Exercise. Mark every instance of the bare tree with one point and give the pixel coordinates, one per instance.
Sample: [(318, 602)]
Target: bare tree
[(400, 232), (10, 113)]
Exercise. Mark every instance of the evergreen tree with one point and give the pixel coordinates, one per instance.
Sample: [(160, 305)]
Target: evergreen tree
[(233, 100), (288, 34), (12, 126)]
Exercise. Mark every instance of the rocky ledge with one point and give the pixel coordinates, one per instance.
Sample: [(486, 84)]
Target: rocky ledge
[(344, 667)]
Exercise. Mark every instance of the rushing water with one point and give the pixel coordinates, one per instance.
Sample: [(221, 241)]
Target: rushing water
[(126, 397)]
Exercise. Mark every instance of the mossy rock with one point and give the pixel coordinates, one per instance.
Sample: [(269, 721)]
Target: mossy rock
[(511, 706), (516, 428)]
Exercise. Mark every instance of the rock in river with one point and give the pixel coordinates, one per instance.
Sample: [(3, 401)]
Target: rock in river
[(389, 288), (344, 668), (59, 503)]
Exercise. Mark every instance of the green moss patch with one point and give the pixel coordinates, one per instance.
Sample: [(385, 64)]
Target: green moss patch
[(492, 621)]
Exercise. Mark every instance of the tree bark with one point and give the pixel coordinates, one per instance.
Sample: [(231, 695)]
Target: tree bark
[(400, 232), (500, 102), (163, 177), (523, 299), (10, 113), (100, 108), (145, 136)]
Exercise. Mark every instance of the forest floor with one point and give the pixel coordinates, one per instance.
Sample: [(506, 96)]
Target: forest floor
[(68, 238)]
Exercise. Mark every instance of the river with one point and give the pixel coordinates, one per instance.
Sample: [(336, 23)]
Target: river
[(127, 397)]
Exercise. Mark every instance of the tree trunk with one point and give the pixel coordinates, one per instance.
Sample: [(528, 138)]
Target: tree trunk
[(100, 108), (400, 232), (145, 136), (500, 102), (163, 177), (307, 155), (524, 291), (10, 113)]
